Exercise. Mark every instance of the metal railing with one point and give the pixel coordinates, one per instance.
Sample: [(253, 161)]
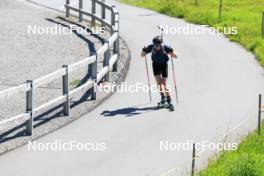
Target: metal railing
[(110, 64)]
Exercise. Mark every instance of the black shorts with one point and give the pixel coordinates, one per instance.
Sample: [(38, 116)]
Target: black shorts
[(160, 69)]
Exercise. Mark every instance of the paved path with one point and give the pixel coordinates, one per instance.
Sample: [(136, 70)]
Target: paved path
[(218, 83)]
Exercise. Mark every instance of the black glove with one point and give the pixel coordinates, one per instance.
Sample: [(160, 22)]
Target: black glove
[(144, 49)]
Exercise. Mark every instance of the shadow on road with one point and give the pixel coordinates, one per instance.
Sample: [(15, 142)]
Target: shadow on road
[(42, 119), (128, 112)]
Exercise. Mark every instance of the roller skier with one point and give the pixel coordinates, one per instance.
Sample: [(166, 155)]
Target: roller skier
[(160, 57)]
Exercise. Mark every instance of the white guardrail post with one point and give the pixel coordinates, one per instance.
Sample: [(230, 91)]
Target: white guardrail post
[(116, 49), (65, 91), (94, 77), (106, 61), (93, 11), (67, 9), (30, 108), (112, 19), (103, 12), (80, 10)]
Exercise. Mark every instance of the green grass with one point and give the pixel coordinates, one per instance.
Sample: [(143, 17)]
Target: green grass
[(244, 14), (248, 160)]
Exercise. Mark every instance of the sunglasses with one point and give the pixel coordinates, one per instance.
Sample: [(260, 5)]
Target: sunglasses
[(157, 45)]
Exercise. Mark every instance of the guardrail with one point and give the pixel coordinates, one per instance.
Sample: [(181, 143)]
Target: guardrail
[(109, 64)]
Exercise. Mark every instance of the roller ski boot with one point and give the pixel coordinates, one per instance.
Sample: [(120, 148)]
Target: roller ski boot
[(165, 103), (169, 105), (162, 103)]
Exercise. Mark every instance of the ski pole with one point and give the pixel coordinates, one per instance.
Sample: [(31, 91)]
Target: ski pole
[(146, 62), (174, 79)]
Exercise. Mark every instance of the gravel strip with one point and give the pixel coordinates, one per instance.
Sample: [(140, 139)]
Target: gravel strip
[(24, 57), (28, 57)]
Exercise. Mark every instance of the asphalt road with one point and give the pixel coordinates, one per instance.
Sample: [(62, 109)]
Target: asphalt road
[(218, 83)]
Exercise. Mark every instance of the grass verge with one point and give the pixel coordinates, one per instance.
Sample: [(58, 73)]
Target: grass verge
[(248, 160), (246, 15)]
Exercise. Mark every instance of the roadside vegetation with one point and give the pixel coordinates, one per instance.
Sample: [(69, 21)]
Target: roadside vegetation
[(246, 15), (248, 160)]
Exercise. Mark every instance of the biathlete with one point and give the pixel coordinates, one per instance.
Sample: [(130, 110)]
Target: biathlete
[(159, 55)]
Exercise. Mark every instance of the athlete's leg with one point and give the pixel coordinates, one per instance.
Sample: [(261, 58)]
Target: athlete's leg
[(157, 74), (166, 90), (164, 82), (164, 85), (159, 83)]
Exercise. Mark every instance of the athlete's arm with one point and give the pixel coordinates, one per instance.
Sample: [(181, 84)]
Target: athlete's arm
[(170, 51), (143, 53), (146, 50)]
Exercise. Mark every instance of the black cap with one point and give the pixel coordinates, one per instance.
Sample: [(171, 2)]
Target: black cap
[(157, 40)]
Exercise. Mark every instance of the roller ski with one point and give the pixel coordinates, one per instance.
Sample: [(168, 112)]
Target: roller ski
[(165, 103)]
